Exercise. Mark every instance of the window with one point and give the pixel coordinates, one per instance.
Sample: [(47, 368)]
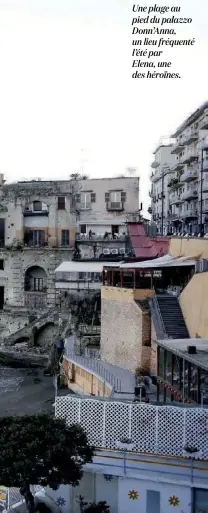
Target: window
[(85, 200), (83, 228), (61, 203), (38, 284), (34, 238), (65, 238), (37, 206), (2, 232), (153, 501), (1, 265), (115, 199)]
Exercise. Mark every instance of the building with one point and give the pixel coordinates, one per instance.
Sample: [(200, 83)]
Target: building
[(44, 223), (146, 456), (188, 187), (103, 207), (163, 163), (182, 371)]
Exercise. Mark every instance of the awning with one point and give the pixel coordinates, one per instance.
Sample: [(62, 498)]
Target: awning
[(165, 261), (83, 267)]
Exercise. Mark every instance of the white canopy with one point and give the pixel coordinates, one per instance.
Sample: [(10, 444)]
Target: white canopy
[(83, 267), (165, 261)]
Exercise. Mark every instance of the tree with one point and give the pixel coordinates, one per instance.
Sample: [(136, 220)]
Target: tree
[(41, 450), (78, 176)]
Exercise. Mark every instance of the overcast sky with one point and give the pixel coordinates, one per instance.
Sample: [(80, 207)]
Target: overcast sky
[(66, 85)]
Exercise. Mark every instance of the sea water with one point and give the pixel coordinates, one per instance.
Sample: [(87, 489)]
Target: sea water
[(10, 378)]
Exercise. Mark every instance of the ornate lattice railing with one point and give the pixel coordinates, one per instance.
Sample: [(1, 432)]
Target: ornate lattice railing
[(164, 430)]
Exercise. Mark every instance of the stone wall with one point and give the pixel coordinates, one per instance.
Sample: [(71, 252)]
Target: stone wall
[(87, 381), (16, 263), (125, 328)]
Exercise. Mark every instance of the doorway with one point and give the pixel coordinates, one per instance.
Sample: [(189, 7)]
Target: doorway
[(115, 230)]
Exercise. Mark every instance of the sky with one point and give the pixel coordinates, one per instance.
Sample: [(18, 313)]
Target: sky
[(67, 98)]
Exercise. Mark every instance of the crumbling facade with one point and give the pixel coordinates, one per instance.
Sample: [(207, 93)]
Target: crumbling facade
[(40, 225)]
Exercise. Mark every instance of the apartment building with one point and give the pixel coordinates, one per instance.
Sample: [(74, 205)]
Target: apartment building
[(104, 206), (44, 223), (103, 209), (164, 161), (187, 188)]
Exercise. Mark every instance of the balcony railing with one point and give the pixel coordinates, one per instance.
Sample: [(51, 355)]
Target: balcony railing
[(177, 147), (190, 213), (203, 124), (189, 156), (36, 300), (189, 174), (190, 194), (100, 236), (191, 136), (175, 200), (28, 213)]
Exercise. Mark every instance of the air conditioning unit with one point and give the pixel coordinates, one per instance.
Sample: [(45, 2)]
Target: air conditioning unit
[(106, 251), (114, 252), (122, 251)]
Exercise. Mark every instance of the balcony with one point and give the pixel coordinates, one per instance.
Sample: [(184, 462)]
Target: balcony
[(203, 124), (96, 237), (190, 194), (178, 166), (173, 183), (189, 214), (191, 137), (205, 183), (115, 206), (189, 174), (31, 213), (36, 300), (78, 284), (175, 199), (177, 148), (189, 156)]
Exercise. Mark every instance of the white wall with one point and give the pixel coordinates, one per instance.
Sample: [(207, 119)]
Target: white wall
[(125, 495)]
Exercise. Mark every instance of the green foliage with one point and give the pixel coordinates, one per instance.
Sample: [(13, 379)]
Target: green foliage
[(99, 507), (41, 449)]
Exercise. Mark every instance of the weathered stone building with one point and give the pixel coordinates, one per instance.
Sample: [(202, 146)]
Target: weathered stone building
[(40, 222), (125, 328)]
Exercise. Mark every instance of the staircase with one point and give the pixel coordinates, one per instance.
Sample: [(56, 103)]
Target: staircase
[(172, 317)]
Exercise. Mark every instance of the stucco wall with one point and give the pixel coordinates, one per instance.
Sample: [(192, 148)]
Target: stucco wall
[(194, 305), (125, 328), (88, 382), (125, 494), (189, 247)]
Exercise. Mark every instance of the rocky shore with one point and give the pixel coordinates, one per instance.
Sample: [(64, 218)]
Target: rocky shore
[(22, 356)]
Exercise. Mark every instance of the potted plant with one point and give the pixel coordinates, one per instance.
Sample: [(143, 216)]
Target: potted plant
[(125, 444)]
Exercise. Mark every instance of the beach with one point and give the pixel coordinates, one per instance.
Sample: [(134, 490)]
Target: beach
[(25, 391)]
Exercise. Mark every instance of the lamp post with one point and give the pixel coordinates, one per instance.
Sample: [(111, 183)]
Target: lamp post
[(203, 149)]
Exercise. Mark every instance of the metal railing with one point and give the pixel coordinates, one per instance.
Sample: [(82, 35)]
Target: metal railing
[(157, 317)]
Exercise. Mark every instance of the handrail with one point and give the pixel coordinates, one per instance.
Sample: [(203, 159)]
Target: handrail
[(157, 308)]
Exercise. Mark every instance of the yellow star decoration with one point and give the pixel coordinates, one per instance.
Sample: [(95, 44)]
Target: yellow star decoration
[(174, 501), (133, 495)]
